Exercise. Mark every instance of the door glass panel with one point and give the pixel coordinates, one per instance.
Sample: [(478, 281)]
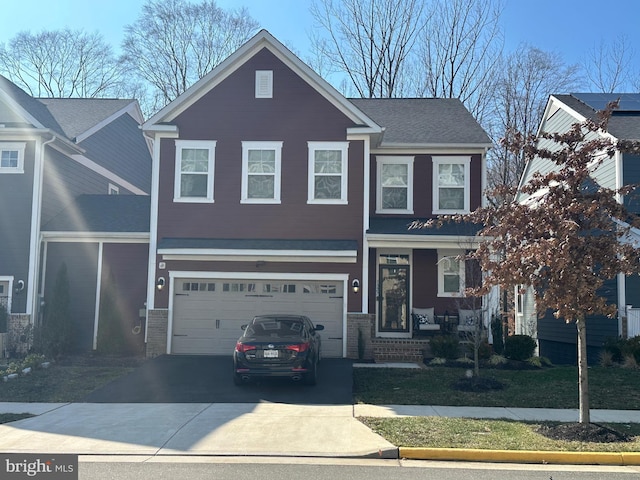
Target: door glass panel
[(393, 300)]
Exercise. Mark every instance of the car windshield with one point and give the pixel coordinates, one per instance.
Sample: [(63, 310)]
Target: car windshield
[(274, 327)]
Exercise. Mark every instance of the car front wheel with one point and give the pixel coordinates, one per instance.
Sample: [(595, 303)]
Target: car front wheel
[(311, 377)]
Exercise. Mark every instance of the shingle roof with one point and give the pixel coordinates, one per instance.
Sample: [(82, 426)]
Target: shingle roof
[(103, 213), (77, 115), (423, 121), (400, 226), (256, 244), (624, 125)]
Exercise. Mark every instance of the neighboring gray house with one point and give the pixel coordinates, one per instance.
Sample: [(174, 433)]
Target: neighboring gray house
[(51, 152), (556, 339)]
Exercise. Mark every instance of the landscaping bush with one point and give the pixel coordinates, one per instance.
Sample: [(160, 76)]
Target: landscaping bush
[(445, 346), (498, 335), (622, 348), (519, 347)]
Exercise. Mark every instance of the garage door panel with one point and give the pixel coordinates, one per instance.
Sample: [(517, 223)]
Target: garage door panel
[(208, 321)]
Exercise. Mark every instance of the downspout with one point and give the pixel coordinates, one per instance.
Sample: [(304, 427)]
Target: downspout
[(36, 235)]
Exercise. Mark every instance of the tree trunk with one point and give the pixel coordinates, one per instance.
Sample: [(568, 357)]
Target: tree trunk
[(583, 375)]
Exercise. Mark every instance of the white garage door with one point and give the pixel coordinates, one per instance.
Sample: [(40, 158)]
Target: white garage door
[(208, 313)]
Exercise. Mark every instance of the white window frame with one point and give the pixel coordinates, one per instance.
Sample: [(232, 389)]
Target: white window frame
[(443, 256), (113, 189), (13, 147), (264, 84), (210, 146), (466, 162), (343, 147), (271, 145), (396, 160)]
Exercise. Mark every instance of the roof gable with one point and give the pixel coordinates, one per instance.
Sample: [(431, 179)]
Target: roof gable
[(263, 40)]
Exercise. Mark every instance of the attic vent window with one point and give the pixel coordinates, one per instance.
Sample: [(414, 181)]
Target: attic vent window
[(264, 84)]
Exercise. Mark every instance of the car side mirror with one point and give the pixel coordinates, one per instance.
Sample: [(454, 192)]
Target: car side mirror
[(319, 327), (244, 327)]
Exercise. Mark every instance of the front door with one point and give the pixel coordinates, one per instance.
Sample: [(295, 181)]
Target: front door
[(393, 301)]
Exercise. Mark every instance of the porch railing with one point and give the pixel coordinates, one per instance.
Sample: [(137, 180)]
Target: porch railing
[(633, 322)]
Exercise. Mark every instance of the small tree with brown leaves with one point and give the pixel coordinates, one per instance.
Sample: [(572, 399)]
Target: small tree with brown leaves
[(566, 236)]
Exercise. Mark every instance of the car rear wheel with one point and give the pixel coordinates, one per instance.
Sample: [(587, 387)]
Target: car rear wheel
[(311, 377)]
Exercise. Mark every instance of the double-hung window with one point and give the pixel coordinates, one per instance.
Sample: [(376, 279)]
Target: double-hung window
[(195, 160), (12, 157), (328, 172), (451, 277), (261, 167), (395, 185), (451, 184)]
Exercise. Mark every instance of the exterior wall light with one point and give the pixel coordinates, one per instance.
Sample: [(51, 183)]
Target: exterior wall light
[(355, 285), (160, 283)]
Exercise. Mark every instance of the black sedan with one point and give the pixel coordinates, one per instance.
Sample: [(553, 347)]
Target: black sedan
[(278, 346)]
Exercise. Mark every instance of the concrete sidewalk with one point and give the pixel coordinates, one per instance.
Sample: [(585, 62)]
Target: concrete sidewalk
[(257, 429)]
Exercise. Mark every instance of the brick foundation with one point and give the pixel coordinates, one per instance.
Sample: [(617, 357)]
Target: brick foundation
[(19, 334), (399, 350), (157, 326), (360, 332)]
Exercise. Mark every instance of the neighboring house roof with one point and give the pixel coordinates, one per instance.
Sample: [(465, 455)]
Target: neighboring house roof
[(624, 123), (78, 115), (103, 213), (424, 121)]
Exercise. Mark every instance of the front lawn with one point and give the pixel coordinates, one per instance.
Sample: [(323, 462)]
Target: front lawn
[(611, 388)]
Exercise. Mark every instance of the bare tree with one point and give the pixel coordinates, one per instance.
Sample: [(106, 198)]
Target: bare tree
[(174, 43), (458, 52), (608, 65), (61, 63), (523, 84), (369, 40)]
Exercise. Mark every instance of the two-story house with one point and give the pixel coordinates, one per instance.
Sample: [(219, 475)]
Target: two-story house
[(556, 339), (272, 192), (52, 153)]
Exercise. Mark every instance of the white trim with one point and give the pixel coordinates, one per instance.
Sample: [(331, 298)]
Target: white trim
[(153, 225), (443, 257), (113, 189), (451, 160), (343, 147), (431, 149), (276, 147), (622, 299), (254, 255), (109, 175), (13, 147), (9, 279), (336, 277), (210, 146), (94, 237), (364, 281), (96, 315), (423, 241), (382, 160)]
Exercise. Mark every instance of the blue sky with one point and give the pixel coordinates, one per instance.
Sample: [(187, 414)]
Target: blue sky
[(567, 27)]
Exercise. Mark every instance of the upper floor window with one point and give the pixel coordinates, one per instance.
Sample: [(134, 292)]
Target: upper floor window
[(12, 157), (195, 160), (261, 172), (451, 184), (451, 278), (395, 185), (114, 189), (328, 172)]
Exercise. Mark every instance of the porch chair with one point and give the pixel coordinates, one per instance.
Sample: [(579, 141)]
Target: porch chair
[(424, 320)]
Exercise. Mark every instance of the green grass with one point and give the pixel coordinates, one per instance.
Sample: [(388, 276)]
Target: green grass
[(436, 432), (60, 383), (555, 387)]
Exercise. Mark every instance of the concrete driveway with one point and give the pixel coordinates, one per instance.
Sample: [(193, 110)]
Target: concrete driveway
[(207, 379)]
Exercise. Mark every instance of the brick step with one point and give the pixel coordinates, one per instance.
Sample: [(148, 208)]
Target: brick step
[(392, 350)]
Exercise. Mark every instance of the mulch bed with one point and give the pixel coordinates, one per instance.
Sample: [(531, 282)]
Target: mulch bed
[(582, 432)]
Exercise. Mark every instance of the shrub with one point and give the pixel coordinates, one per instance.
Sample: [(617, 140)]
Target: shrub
[(620, 348), (498, 335), (495, 360), (55, 337), (519, 347), (445, 346), (606, 358)]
